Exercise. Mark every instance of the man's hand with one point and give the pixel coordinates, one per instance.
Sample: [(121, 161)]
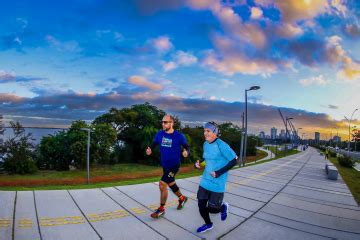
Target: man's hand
[(148, 151), (197, 164), (213, 174), (185, 153)]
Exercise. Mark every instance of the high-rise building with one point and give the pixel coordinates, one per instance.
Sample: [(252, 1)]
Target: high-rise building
[(337, 139), (282, 134), (262, 134), (317, 136), (273, 133)]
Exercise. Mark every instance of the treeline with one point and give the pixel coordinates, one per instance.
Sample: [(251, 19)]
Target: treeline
[(119, 136)]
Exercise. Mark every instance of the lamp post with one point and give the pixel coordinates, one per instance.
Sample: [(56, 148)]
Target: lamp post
[(88, 154), (245, 142), (241, 162), (287, 133), (355, 136), (298, 137), (337, 136), (349, 120)]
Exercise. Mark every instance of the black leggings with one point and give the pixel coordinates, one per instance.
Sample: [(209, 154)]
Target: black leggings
[(205, 210)]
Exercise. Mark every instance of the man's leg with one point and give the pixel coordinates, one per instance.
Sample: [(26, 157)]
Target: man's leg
[(175, 189), (163, 197), (177, 192), (163, 193)]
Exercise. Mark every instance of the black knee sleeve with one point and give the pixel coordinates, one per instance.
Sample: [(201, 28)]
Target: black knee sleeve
[(174, 188)]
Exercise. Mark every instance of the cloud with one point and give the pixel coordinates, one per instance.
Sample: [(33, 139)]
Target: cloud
[(88, 106), (180, 58), (8, 77), (227, 83), (256, 13), (185, 58), (231, 22), (289, 30), (68, 46), (162, 44), (143, 82), (151, 7), (229, 58), (319, 80), (353, 30), (168, 66), (10, 98), (333, 106), (147, 71), (350, 71), (296, 10)]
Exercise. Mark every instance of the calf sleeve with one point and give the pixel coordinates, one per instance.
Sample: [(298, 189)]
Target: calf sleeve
[(174, 188)]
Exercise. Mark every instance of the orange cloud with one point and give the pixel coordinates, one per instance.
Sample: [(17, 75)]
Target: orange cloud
[(143, 82)]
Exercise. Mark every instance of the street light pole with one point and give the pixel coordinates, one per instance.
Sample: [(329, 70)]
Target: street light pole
[(355, 139), (88, 154), (298, 137), (245, 143), (349, 120), (242, 141)]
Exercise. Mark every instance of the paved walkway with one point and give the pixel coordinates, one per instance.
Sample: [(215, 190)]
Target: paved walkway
[(289, 198)]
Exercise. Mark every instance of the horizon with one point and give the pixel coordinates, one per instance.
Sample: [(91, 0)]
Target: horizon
[(70, 60)]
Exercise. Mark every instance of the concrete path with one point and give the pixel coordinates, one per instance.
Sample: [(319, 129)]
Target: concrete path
[(289, 198)]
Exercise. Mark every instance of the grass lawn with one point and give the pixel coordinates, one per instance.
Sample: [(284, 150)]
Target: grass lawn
[(105, 176), (351, 177)]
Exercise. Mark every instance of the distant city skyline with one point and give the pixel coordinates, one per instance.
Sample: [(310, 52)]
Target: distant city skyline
[(67, 60)]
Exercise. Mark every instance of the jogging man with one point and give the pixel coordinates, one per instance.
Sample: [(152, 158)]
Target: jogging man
[(170, 142), (220, 158)]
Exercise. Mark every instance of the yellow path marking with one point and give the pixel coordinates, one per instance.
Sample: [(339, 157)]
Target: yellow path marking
[(25, 223), (60, 221), (138, 210), (95, 217), (257, 176), (4, 222)]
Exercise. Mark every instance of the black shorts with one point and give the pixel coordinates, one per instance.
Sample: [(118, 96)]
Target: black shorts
[(215, 199), (169, 174)]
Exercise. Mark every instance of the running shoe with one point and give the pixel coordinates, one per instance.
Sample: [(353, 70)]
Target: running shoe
[(205, 228), (225, 211), (182, 203), (158, 213)]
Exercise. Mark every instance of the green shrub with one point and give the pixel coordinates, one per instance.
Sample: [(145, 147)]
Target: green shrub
[(17, 152), (332, 154), (345, 161)]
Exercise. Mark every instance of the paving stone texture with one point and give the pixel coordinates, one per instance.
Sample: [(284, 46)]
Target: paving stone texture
[(289, 198)]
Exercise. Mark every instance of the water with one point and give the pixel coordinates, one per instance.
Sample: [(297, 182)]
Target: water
[(37, 133)]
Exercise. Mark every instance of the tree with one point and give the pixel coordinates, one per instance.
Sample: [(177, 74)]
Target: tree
[(356, 138), (103, 140), (18, 151), (231, 134), (135, 127), (195, 138), (69, 147), (2, 130)]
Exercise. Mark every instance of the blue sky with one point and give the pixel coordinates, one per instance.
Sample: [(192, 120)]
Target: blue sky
[(67, 60)]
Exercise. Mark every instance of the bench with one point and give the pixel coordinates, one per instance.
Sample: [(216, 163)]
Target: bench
[(331, 171)]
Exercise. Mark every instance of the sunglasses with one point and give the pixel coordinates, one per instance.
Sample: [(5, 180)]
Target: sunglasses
[(166, 122)]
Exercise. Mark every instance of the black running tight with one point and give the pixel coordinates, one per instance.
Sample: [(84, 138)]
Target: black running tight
[(205, 210)]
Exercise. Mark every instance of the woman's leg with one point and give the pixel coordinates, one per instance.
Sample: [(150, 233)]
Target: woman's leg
[(203, 209)]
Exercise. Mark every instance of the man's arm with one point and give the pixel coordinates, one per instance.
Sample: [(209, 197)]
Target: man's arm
[(186, 151), (153, 145)]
